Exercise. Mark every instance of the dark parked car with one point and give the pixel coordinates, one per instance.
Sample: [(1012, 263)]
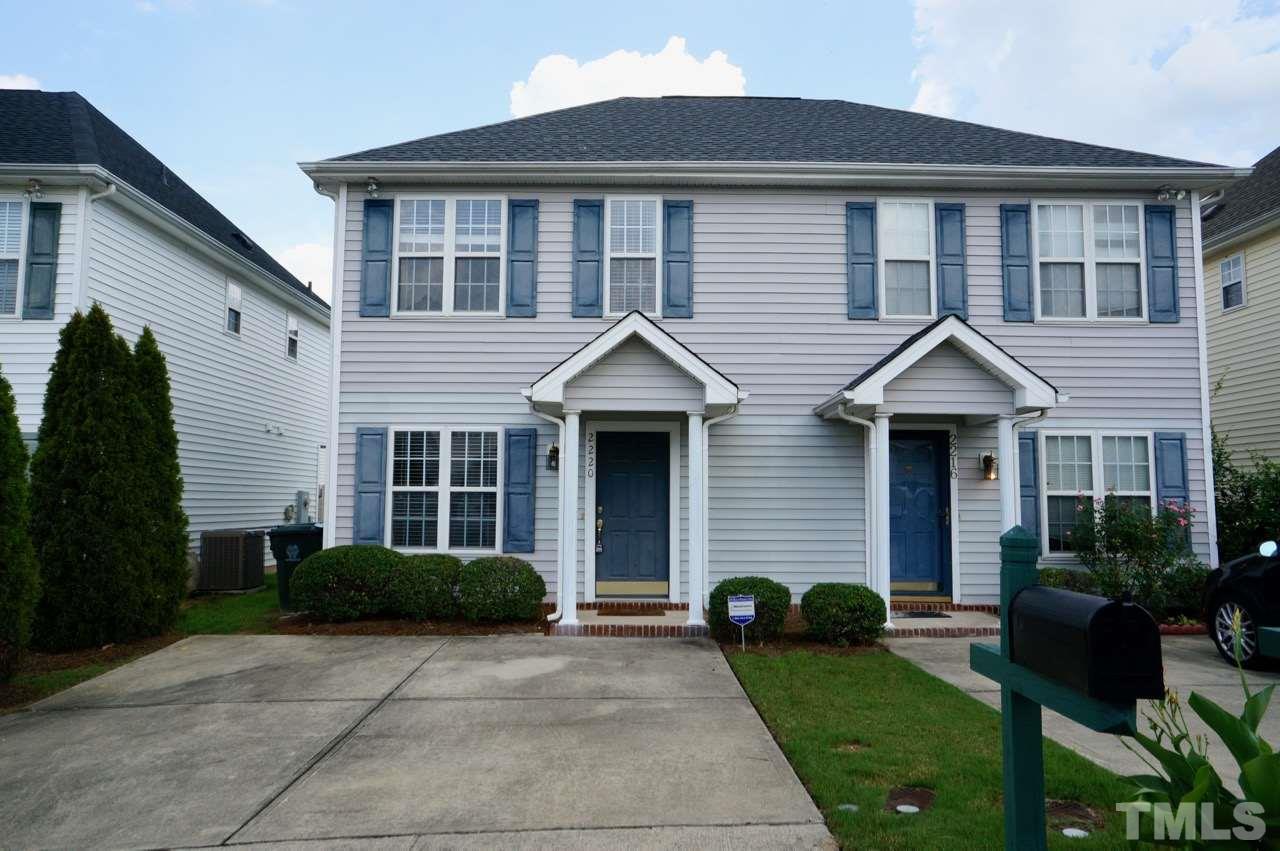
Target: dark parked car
[(1249, 586)]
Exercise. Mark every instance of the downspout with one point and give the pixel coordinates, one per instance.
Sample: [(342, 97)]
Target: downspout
[(80, 300), (868, 507), (706, 498), (558, 613)]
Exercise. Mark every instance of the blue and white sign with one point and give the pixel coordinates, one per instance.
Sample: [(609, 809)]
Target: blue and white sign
[(742, 609)]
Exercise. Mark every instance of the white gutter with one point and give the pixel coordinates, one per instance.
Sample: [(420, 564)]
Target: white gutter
[(869, 509), (1206, 422), (560, 581), (706, 497), (330, 519)]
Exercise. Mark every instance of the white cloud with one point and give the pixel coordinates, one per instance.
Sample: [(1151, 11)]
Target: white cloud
[(18, 81), (309, 261), (1192, 78), (558, 81)]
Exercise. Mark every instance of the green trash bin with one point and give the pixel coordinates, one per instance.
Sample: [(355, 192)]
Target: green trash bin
[(290, 544)]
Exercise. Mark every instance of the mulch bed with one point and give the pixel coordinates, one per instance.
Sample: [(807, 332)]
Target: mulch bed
[(1183, 629), (795, 637), (305, 625)]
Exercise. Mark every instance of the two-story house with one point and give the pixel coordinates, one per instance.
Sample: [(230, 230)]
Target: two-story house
[(1242, 294), (651, 343), (88, 215)]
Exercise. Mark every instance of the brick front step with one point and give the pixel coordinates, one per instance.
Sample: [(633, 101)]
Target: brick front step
[(944, 632), (640, 605), (907, 606), (627, 630)]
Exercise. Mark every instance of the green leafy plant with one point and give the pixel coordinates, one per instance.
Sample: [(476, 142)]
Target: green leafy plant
[(842, 613), (773, 601), (1081, 581), (19, 578), (424, 587), (500, 588), (1248, 500), (345, 583)]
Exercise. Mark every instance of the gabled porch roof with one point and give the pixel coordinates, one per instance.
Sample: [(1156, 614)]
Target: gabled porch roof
[(1030, 391)]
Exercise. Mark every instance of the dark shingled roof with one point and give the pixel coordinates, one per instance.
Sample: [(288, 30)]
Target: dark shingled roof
[(757, 129), (1247, 199), (62, 128)]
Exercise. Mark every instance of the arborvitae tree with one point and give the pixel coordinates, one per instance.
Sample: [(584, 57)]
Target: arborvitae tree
[(166, 540), (89, 517), (19, 580)]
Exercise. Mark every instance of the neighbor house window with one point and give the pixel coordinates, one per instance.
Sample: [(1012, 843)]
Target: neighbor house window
[(1114, 466), (1089, 260), (632, 278), (449, 255), (235, 298), (1232, 271), (906, 243), (10, 255), (456, 512), (291, 336)]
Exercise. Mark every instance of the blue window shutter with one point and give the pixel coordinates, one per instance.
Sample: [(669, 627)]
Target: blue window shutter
[(1028, 482), (953, 290), (371, 486), (588, 248), (522, 258), (860, 230), (1162, 265), (1015, 257), (677, 258), (1171, 467), (42, 261), (375, 260), (519, 479)]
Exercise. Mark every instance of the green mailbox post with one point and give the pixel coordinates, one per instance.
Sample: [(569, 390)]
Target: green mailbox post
[(1022, 694)]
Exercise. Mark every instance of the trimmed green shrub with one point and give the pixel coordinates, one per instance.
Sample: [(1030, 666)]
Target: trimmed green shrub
[(345, 583), (166, 540), (424, 587), (1069, 579), (773, 601), (500, 588), (1248, 500), (841, 613), (89, 507), (19, 578)]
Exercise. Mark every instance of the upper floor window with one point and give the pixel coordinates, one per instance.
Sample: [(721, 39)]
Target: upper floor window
[(907, 248), (449, 255), (1089, 260), (10, 255), (291, 336), (235, 297), (1232, 273), (633, 241)]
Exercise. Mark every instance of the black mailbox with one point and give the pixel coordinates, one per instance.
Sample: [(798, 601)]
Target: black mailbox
[(1105, 649)]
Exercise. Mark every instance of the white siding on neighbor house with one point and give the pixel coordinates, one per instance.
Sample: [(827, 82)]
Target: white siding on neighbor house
[(27, 346), (1244, 349), (633, 377), (230, 393), (785, 489)]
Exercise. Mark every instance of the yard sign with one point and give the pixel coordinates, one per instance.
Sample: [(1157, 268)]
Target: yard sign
[(742, 611)]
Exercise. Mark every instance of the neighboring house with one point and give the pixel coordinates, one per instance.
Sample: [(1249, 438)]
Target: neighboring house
[(88, 215), (1242, 300), (810, 340)]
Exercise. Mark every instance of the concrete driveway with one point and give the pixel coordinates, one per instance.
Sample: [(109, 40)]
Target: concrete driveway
[(517, 741), (1190, 664)]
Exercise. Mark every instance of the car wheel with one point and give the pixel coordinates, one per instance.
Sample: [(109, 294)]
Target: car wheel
[(1221, 627)]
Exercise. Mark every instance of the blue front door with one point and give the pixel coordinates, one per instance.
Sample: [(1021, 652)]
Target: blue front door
[(632, 513), (919, 512)]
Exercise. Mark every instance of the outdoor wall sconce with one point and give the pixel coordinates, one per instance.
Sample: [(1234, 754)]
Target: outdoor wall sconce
[(372, 187), (33, 192), (553, 457), (990, 466)]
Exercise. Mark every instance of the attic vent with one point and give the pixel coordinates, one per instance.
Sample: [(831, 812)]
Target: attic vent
[(244, 241)]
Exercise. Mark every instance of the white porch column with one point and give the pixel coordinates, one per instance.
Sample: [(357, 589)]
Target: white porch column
[(568, 589), (1006, 468), (697, 516), (881, 512)]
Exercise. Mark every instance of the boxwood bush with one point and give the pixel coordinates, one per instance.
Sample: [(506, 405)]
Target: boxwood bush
[(773, 600), (841, 613), (500, 588), (424, 587), (345, 583)]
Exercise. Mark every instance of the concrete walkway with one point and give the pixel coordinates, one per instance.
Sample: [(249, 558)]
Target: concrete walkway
[(518, 742), (1190, 664)]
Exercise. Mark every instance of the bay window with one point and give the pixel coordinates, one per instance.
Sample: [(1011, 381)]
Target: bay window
[(457, 511), (449, 254), (633, 243), (1089, 260)]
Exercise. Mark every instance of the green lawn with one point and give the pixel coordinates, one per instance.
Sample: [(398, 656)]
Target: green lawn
[(913, 730), (223, 614)]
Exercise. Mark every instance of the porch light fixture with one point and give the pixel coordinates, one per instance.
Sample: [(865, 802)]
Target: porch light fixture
[(990, 466), (372, 187), (33, 191), (1164, 193), (553, 457)]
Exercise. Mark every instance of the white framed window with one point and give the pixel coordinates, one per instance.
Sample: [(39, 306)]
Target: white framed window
[(1232, 273), (444, 486), (235, 308), (291, 336), (906, 244), (12, 239), (1089, 260), (449, 255), (1087, 465), (633, 246)]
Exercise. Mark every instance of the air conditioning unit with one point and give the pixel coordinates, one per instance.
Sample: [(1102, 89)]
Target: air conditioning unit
[(230, 560)]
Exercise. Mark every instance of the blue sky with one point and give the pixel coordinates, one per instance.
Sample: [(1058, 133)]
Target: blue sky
[(232, 93)]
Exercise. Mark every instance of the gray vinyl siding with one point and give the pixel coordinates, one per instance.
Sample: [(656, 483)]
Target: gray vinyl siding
[(943, 378), (634, 378), (785, 489)]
